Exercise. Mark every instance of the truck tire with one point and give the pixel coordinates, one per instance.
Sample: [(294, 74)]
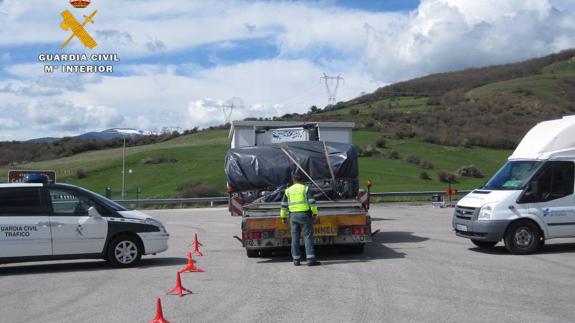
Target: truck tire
[(522, 238), (484, 244), (124, 251), (252, 253)]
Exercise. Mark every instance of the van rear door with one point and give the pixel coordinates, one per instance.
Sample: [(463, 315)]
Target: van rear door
[(24, 223)]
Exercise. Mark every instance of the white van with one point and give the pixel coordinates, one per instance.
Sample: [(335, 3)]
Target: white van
[(60, 221), (530, 199)]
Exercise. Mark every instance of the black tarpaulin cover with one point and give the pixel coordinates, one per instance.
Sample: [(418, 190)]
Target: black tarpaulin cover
[(268, 167)]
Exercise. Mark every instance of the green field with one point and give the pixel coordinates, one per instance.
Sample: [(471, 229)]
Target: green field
[(200, 159)]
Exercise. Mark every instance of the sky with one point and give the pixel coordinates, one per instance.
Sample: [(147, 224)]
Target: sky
[(181, 61)]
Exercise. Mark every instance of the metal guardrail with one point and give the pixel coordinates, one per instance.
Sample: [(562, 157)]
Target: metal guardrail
[(224, 199), (181, 202), (422, 193)]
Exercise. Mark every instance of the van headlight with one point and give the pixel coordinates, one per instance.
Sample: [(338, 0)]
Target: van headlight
[(485, 212)]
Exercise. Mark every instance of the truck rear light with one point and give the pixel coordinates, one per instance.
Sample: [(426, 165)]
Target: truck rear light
[(245, 236), (256, 235), (356, 231), (366, 230)]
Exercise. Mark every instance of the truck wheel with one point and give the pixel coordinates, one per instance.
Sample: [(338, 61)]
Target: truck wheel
[(124, 251), (522, 238), (484, 244), (252, 253)]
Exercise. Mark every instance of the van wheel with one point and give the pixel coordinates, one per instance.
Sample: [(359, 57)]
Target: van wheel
[(484, 244), (124, 251), (252, 253), (522, 238)]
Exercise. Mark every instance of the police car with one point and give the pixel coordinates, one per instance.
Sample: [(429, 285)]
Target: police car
[(41, 221)]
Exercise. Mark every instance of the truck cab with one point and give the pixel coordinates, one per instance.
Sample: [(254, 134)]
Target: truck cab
[(530, 199)]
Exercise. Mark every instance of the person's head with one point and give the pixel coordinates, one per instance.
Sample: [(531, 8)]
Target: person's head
[(297, 178)]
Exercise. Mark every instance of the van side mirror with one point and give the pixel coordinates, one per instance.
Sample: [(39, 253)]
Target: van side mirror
[(93, 213)]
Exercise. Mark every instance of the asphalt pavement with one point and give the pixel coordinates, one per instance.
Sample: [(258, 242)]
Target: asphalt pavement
[(415, 270)]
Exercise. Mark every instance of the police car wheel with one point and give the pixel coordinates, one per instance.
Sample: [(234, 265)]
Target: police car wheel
[(124, 251)]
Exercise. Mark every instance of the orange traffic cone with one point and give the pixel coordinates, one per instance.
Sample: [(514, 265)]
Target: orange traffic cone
[(159, 314), (179, 289), (190, 266), (197, 245)]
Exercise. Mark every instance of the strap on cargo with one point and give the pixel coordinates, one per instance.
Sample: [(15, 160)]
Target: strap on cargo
[(328, 161), (304, 172)]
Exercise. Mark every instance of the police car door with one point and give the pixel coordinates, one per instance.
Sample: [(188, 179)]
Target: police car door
[(24, 223), (73, 230)]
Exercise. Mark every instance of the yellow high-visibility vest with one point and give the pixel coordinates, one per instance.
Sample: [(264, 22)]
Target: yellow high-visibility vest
[(297, 198)]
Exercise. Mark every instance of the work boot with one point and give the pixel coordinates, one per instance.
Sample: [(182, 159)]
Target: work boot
[(296, 262), (313, 262)]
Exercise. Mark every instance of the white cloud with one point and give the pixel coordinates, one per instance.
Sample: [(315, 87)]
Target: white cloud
[(370, 49), (445, 35), (68, 117)]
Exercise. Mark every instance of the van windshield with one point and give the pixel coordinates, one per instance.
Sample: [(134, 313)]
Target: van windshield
[(513, 175)]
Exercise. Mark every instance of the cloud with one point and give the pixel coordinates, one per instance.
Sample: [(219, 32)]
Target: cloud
[(445, 35), (177, 54), (68, 117)]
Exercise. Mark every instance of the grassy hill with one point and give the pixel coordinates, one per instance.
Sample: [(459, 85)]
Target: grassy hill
[(200, 160), (456, 108), (448, 120)]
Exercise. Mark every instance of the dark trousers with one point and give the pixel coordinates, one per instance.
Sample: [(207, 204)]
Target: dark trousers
[(301, 221)]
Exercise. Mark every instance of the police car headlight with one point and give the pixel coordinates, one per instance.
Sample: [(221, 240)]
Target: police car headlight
[(156, 223), (485, 212)]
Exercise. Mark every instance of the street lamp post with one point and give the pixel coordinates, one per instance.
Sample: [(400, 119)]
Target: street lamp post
[(124, 169)]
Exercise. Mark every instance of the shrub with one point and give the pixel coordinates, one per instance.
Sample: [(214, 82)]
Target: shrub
[(393, 154), (412, 159), (446, 177), (380, 143), (367, 151), (423, 175), (353, 111), (426, 164), (80, 173), (197, 189), (470, 171), (159, 160)]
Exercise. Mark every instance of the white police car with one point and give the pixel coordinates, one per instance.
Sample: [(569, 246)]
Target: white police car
[(59, 221)]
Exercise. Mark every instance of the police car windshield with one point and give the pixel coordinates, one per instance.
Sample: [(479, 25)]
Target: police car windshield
[(513, 175), (105, 201)]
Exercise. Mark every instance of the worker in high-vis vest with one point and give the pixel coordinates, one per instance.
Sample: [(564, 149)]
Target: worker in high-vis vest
[(298, 202)]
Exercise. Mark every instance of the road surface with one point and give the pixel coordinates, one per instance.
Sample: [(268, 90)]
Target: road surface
[(416, 270)]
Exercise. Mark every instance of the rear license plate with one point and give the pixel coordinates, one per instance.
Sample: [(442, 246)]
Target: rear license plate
[(461, 227), (324, 230)]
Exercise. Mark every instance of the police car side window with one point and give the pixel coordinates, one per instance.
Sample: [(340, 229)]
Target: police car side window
[(23, 201), (65, 203)]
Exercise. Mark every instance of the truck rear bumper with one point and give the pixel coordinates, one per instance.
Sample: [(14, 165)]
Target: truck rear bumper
[(275, 243)]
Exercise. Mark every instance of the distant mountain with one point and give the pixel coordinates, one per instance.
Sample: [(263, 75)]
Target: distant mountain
[(107, 134)]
